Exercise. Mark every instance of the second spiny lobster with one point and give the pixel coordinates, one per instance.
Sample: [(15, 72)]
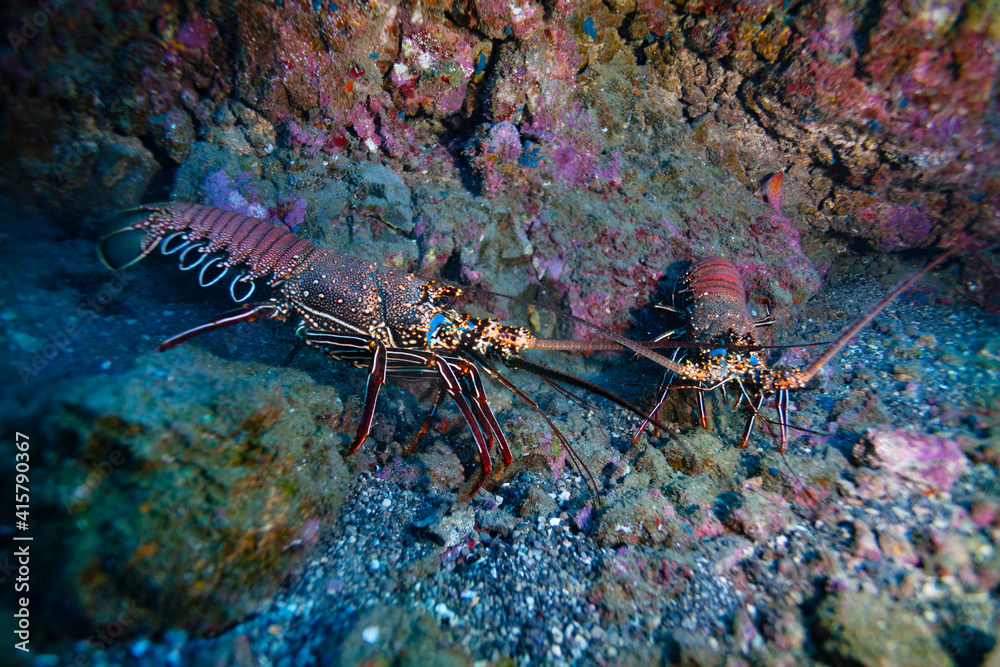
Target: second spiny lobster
[(720, 331), (391, 322)]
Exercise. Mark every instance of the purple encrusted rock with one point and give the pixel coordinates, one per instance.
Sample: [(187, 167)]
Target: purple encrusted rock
[(925, 458)]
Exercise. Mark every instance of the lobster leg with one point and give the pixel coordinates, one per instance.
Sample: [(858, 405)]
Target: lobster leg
[(457, 393), (767, 320), (463, 376), (664, 388), (358, 352), (477, 393), (426, 426), (247, 313), (781, 404), (462, 381), (460, 378), (376, 378), (702, 413), (656, 409), (577, 461), (754, 411)]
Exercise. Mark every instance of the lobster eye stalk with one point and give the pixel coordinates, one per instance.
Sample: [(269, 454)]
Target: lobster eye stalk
[(121, 248)]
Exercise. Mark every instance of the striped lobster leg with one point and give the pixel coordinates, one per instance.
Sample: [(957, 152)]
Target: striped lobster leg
[(460, 378)]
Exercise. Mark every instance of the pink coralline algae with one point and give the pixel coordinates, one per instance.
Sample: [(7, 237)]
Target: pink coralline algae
[(928, 459), (921, 89), (500, 19), (572, 156), (198, 33), (761, 514), (494, 151), (505, 142), (905, 226), (702, 521), (291, 213), (364, 125), (894, 107), (538, 77), (432, 71)]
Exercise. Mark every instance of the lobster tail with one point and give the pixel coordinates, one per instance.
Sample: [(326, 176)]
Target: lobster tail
[(716, 299), (210, 239), (120, 249)]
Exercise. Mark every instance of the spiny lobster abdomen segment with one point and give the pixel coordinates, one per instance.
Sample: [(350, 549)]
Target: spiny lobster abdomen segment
[(716, 301), (183, 228)]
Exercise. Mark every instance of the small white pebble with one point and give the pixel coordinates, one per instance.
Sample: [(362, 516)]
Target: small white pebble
[(441, 609), (554, 521), (370, 634), (387, 503)]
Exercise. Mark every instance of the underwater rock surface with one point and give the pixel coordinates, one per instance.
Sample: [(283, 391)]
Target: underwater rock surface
[(185, 483), (194, 506)]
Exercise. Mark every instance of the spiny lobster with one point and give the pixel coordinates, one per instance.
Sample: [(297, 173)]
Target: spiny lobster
[(393, 323), (721, 332)]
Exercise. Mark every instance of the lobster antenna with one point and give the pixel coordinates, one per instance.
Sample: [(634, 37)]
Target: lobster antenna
[(545, 372), (570, 396), (802, 378), (577, 461), (553, 344), (587, 345)]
